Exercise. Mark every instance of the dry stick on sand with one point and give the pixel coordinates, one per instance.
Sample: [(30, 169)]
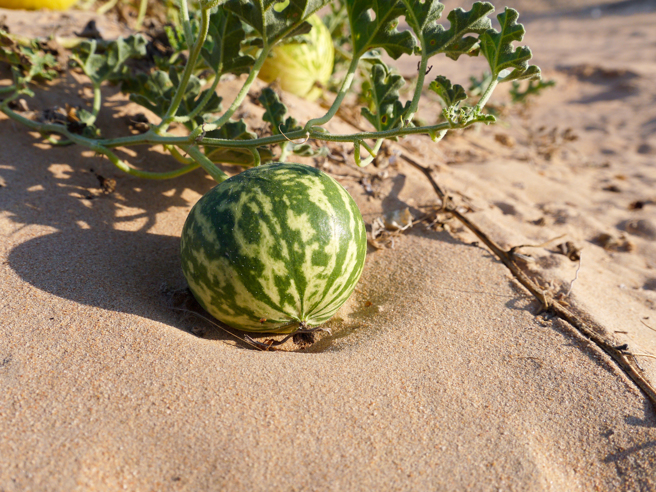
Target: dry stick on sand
[(629, 366), (654, 329)]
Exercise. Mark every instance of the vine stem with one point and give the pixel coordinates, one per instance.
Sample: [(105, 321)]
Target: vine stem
[(125, 167), (152, 138), (243, 92), (97, 95), (186, 74), (202, 160), (97, 101), (186, 24), (201, 104), (284, 152), (487, 94), (93, 145), (421, 76), (346, 85), (143, 6), (177, 155), (372, 152)]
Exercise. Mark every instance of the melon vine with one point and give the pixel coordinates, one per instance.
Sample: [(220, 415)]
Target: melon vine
[(252, 249)]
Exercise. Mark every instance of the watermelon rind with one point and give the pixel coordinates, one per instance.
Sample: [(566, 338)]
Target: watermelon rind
[(273, 248)]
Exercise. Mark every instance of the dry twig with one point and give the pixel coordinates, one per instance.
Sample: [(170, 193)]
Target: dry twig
[(620, 357)]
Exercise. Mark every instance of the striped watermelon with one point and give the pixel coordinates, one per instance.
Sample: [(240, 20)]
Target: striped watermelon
[(273, 248)]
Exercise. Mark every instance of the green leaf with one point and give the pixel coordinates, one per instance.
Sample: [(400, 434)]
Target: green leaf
[(152, 91), (123, 49), (531, 73), (435, 39), (41, 65), (155, 91), (379, 30), (110, 63), (272, 19), (534, 87), (423, 17), (85, 117), (497, 46), (275, 112), (222, 47), (451, 42), (176, 38), (450, 94), (27, 62), (384, 96)]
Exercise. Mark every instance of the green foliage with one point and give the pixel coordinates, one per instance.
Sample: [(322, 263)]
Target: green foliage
[(273, 25), (497, 47), (532, 88), (454, 41), (27, 63), (379, 32), (109, 63), (226, 35), (221, 38), (450, 94), (466, 115), (384, 97), (275, 112), (155, 91)]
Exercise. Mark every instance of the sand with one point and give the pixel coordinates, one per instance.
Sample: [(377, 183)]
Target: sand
[(439, 374)]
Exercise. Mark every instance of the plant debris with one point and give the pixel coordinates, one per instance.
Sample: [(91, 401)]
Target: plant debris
[(612, 243), (570, 250), (384, 229)]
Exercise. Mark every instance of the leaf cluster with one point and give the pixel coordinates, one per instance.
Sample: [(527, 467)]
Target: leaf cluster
[(28, 61), (108, 63)]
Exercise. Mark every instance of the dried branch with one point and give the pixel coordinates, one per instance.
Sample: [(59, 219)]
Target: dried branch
[(585, 328)]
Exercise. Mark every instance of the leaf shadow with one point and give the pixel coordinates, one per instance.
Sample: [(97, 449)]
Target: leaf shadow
[(117, 250), (626, 453)]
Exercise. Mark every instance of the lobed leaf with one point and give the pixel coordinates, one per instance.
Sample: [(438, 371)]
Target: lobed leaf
[(155, 91), (110, 63), (450, 94), (453, 42), (152, 91), (497, 46), (383, 92), (222, 47), (275, 20), (275, 112), (532, 72), (27, 62), (534, 87), (378, 30)]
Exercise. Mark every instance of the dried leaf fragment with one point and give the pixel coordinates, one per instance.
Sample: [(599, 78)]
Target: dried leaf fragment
[(612, 243), (570, 250), (384, 229)]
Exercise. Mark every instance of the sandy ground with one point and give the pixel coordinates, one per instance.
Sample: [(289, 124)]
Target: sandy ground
[(439, 375)]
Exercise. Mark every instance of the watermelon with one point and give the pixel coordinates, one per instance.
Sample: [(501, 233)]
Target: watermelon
[(274, 248)]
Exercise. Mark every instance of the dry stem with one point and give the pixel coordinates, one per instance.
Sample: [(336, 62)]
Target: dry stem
[(621, 358)]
